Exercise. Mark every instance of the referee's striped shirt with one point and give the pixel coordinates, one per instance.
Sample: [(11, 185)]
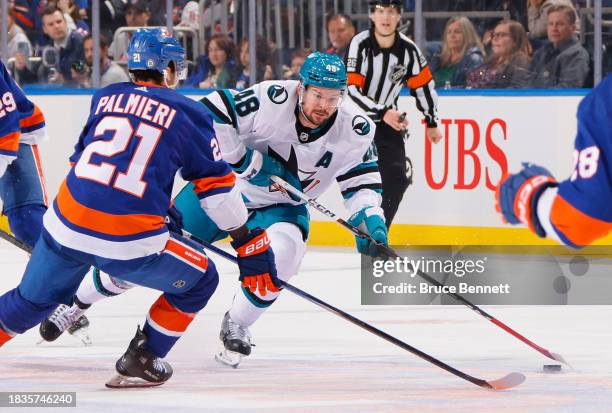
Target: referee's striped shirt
[(376, 76)]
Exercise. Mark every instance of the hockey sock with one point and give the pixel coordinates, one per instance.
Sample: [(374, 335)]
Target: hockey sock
[(165, 325), (100, 285)]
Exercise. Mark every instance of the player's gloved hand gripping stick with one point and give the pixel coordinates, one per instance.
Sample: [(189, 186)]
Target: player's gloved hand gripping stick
[(386, 251)]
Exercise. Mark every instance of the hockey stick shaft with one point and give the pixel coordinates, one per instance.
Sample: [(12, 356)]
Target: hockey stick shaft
[(388, 251), (10, 238), (358, 322)]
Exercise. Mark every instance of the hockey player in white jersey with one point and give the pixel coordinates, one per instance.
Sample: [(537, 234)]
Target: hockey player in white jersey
[(308, 134)]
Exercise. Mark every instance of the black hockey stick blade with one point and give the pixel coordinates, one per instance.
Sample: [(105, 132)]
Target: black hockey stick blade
[(506, 382)]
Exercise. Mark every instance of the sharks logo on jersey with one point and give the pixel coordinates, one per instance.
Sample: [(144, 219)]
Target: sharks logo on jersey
[(361, 126), (277, 94)]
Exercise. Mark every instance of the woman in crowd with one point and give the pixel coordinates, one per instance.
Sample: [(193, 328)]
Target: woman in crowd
[(508, 64), (262, 60), (216, 69), (461, 52)]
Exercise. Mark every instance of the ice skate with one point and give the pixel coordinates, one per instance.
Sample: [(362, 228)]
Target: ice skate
[(65, 318), (139, 367), (236, 342)]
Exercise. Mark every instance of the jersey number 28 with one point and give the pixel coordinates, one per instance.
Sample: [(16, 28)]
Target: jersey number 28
[(130, 181)]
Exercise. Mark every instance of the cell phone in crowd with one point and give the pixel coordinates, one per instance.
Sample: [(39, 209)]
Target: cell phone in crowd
[(49, 57), (24, 49)]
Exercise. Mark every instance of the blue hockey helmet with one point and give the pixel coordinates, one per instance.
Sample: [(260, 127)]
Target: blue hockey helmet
[(154, 49), (323, 70)]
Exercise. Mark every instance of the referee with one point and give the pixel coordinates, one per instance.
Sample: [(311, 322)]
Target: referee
[(379, 62)]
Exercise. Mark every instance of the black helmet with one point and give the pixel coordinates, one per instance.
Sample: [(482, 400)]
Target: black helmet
[(386, 3)]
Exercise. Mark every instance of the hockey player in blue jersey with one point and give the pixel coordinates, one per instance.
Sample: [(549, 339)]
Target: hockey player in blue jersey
[(110, 211), (22, 184), (302, 131), (576, 211)]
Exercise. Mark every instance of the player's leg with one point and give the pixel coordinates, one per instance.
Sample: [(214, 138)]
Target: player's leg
[(51, 277), (23, 193), (96, 286), (288, 241), (188, 280), (392, 166)]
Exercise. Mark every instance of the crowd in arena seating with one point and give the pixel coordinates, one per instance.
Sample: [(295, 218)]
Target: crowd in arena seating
[(50, 43)]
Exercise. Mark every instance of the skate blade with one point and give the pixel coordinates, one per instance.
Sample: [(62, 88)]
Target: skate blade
[(83, 336), (228, 358), (126, 382)]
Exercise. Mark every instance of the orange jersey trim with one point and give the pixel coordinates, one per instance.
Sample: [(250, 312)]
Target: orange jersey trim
[(41, 175), (10, 142), (421, 79), (206, 184), (35, 118), (103, 222), (169, 317), (4, 337), (356, 79), (578, 227)]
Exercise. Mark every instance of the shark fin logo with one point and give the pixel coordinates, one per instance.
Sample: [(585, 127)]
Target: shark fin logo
[(277, 94), (361, 126)]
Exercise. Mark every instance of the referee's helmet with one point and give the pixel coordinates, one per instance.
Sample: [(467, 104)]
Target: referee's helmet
[(323, 70)]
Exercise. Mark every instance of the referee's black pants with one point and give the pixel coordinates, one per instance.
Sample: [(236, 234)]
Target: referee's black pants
[(392, 166)]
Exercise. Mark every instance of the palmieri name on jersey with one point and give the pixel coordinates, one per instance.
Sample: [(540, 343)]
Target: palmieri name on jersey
[(138, 105)]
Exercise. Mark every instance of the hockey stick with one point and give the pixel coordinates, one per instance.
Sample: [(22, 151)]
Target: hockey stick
[(10, 238), (506, 382), (389, 252)]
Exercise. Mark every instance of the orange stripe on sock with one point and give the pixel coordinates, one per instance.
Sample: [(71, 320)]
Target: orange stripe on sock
[(94, 220), (41, 175), (206, 184), (169, 317), (187, 253), (10, 142), (421, 79), (4, 337), (578, 227)]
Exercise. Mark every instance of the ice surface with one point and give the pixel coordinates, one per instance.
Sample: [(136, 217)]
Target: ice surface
[(308, 360)]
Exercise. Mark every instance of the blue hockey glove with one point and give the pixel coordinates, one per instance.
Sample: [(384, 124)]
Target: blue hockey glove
[(371, 221), (174, 220), (256, 262), (516, 197), (257, 168)]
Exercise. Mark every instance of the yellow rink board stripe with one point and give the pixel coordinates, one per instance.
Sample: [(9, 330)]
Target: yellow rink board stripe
[(326, 233)]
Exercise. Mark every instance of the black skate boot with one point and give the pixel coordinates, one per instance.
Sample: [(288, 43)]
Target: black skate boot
[(236, 342), (67, 318), (139, 367)]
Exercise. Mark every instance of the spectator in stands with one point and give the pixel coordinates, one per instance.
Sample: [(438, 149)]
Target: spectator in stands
[(110, 72), (508, 65), (297, 60), (264, 70), (563, 62), (537, 12), (217, 68), (136, 15), (73, 16), (67, 45), (19, 48), (340, 29), (461, 52)]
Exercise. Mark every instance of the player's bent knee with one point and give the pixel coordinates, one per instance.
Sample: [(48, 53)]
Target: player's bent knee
[(197, 296), (289, 248), (26, 222)]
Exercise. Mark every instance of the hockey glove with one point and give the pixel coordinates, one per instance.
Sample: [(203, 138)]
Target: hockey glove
[(257, 168), (516, 197), (370, 220), (174, 220), (256, 262)]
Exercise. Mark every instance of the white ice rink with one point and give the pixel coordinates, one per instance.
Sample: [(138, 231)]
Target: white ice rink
[(308, 360)]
